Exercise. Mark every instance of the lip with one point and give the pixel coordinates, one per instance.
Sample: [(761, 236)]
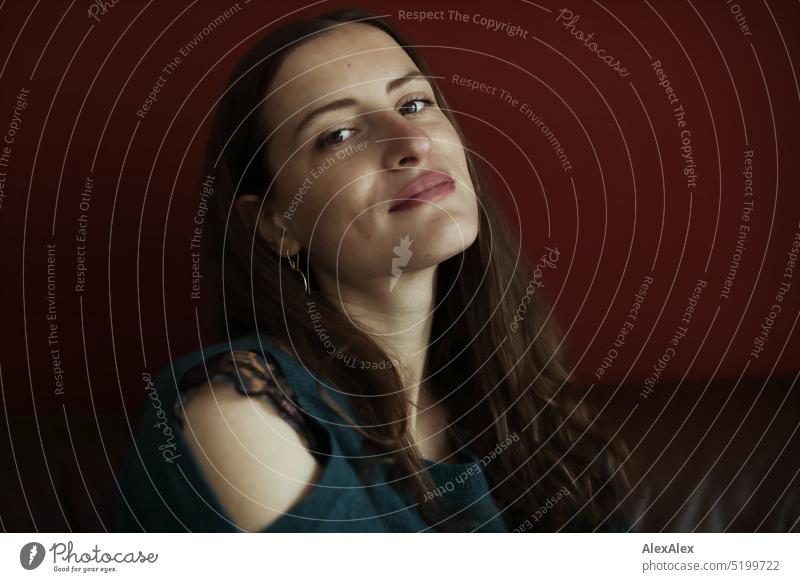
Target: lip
[(430, 185)]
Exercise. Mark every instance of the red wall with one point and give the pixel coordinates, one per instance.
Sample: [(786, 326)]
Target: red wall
[(623, 212)]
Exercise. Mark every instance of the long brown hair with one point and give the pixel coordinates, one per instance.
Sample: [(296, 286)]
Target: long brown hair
[(499, 383)]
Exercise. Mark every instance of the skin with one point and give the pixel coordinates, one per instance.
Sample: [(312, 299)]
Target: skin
[(344, 224), (344, 221)]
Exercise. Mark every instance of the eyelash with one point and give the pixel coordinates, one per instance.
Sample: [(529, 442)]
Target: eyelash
[(323, 143)]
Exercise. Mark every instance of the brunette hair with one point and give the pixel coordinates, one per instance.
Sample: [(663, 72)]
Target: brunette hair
[(498, 383)]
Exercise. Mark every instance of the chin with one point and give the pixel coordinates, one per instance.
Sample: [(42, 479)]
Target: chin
[(460, 235), (446, 245)]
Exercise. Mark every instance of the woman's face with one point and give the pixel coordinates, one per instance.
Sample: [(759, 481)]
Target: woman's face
[(353, 129)]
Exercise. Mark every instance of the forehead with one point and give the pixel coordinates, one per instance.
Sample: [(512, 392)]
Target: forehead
[(345, 60)]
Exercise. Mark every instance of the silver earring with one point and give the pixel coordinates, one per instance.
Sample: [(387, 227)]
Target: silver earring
[(296, 268)]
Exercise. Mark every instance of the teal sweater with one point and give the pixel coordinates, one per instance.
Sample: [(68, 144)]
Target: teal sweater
[(162, 488)]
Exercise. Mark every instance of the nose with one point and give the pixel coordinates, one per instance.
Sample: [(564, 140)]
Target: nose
[(405, 143)]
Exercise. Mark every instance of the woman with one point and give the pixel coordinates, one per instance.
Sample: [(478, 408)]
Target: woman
[(378, 379)]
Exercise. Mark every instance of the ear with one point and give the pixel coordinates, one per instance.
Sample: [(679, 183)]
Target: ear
[(271, 224)]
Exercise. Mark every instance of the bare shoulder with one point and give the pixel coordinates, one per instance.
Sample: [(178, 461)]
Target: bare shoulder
[(257, 464)]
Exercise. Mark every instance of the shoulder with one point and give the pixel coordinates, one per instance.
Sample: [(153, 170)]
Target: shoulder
[(249, 438)]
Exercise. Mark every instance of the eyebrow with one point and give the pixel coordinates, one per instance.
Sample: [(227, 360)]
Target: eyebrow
[(392, 85)]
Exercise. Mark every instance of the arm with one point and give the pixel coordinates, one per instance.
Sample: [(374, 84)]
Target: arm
[(257, 464)]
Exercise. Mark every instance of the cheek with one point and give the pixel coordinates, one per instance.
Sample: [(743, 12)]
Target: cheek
[(450, 145), (336, 211), (352, 234)]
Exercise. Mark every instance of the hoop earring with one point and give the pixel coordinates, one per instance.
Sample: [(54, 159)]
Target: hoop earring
[(295, 267)]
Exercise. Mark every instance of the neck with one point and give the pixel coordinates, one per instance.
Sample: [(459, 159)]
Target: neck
[(399, 320)]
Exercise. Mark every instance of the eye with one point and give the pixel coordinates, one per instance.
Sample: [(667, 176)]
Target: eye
[(415, 105), (335, 137)]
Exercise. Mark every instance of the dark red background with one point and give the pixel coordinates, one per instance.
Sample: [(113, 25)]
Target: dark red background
[(87, 79)]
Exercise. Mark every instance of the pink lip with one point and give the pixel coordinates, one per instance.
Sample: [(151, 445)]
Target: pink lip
[(430, 185)]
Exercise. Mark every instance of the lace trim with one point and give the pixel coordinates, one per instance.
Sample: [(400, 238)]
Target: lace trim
[(253, 374)]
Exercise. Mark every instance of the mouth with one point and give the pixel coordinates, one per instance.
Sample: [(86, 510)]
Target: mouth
[(430, 185)]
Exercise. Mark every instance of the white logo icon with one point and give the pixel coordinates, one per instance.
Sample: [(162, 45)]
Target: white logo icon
[(402, 256)]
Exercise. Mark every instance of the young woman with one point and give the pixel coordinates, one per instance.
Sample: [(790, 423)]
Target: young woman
[(369, 373)]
